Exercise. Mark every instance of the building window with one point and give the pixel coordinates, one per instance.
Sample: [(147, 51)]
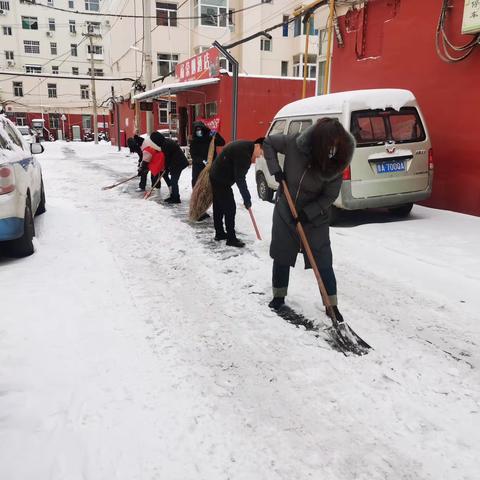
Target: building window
[(51, 24), (97, 71), (166, 63), (52, 90), (97, 49), (92, 5), (284, 69), (4, 5), (163, 111), (93, 27), (71, 4), (31, 46), (74, 70), (265, 45), (199, 50), (30, 23), (50, 3), (33, 69), (73, 50), (285, 26), (54, 121), (198, 110), (231, 19), (297, 26), (72, 26), (86, 122), (21, 119), (266, 1), (18, 89), (53, 48), (9, 55), (213, 13), (211, 109), (84, 92), (167, 14), (7, 30), (55, 69), (322, 42), (311, 24), (311, 66)]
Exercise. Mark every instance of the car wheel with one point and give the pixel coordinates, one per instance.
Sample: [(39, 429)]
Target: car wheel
[(334, 215), (41, 206), (263, 190), (402, 211), (23, 246)]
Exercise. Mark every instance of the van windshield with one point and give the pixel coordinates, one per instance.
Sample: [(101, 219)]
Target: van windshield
[(374, 127)]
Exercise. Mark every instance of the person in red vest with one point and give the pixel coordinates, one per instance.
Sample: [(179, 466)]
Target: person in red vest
[(153, 161)]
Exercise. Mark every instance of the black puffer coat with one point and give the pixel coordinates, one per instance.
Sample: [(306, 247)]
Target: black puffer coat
[(175, 159), (312, 191), (199, 145)]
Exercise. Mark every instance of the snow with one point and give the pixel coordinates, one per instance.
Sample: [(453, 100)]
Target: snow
[(132, 346)]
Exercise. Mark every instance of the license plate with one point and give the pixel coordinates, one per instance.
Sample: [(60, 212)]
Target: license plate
[(391, 167)]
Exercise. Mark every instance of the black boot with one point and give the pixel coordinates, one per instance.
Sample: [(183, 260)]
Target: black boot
[(220, 236), (276, 303), (338, 315), (203, 217), (173, 200), (235, 242)]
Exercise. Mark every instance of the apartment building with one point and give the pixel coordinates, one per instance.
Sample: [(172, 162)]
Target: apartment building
[(37, 39)]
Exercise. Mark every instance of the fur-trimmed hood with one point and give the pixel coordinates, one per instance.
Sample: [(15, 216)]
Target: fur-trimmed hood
[(336, 164)]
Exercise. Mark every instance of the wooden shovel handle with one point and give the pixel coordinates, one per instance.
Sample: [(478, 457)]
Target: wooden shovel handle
[(308, 250)]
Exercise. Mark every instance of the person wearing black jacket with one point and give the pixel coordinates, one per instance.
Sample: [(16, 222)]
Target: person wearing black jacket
[(230, 167), (199, 146), (175, 161)]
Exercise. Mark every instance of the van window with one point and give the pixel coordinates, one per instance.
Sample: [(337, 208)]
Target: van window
[(298, 126), (13, 135), (373, 127), (277, 127)]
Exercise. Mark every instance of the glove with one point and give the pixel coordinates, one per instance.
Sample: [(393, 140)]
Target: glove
[(279, 176), (302, 217), (205, 162), (143, 168), (212, 133), (248, 204)]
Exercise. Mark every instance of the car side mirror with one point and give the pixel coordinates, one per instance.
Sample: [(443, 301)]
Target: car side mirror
[(36, 148)]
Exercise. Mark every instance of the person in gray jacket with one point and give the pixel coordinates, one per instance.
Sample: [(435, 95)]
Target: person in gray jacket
[(314, 163)]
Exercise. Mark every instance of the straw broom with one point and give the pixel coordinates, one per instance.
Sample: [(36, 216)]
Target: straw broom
[(202, 196)]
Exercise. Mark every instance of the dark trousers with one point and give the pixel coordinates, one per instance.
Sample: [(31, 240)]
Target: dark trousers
[(281, 276), (223, 207), (174, 178), (196, 170)]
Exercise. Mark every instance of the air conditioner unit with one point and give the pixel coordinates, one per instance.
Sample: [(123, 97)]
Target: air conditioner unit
[(49, 34), (3, 12), (10, 63), (107, 23)]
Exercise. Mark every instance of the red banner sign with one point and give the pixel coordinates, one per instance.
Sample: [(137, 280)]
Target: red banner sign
[(204, 65), (213, 123)]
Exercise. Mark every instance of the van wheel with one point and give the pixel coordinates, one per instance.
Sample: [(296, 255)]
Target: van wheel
[(23, 246), (263, 190), (402, 211), (334, 215), (41, 206)]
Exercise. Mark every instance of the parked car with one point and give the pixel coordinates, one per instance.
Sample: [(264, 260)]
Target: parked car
[(392, 165), (22, 194), (27, 133)]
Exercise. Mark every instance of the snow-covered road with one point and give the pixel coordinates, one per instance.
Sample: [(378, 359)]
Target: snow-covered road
[(132, 346)]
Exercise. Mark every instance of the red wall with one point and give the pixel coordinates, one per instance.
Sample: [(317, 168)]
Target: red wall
[(401, 33)]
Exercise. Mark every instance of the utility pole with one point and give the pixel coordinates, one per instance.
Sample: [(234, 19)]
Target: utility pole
[(117, 119), (147, 55), (90, 36)]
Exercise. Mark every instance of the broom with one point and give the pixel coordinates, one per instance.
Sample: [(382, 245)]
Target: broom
[(202, 196)]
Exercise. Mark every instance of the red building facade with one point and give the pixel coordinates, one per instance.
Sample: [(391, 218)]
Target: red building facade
[(391, 44)]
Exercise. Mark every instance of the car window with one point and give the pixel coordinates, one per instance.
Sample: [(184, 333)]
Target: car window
[(371, 127), (3, 142), (298, 126), (12, 134), (277, 127)]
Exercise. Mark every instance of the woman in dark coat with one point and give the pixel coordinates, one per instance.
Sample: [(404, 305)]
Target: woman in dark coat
[(314, 162), (175, 161), (199, 146)]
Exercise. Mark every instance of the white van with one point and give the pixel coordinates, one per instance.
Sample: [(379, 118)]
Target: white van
[(392, 165)]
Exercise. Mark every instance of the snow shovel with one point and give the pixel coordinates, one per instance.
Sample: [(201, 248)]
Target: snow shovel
[(119, 183), (257, 231), (347, 339)]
